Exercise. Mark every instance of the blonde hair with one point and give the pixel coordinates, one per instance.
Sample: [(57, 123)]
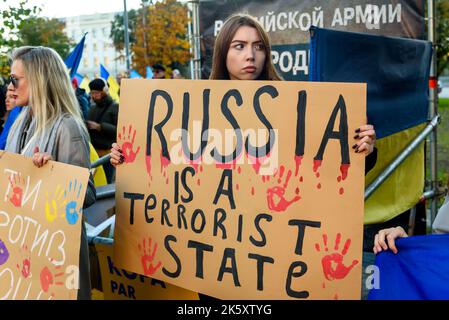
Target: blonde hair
[(51, 93)]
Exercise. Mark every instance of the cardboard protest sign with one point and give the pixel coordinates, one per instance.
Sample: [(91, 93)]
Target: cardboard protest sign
[(119, 284), (40, 228), (242, 189)]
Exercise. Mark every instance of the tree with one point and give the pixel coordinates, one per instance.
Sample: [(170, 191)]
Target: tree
[(442, 32), (163, 38), (22, 26), (37, 31), (118, 30), (10, 22)]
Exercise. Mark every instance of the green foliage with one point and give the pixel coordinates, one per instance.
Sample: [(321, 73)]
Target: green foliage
[(118, 30), (37, 31), (443, 103), (443, 142), (20, 25), (12, 21), (442, 33)]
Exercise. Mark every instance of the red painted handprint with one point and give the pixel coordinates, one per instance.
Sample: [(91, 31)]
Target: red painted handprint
[(147, 258), (333, 267), (25, 266), (128, 144), (17, 184), (49, 278), (275, 196)]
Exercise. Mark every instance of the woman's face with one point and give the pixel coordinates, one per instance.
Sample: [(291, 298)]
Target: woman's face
[(18, 86), (10, 102), (246, 55)]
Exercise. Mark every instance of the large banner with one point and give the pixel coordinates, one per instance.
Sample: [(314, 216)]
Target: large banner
[(288, 21), (40, 228), (242, 189), (119, 284)]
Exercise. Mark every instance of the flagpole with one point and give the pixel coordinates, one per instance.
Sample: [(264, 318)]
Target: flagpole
[(125, 22)]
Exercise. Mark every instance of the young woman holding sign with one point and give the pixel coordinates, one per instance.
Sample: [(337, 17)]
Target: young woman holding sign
[(242, 52), (50, 126)]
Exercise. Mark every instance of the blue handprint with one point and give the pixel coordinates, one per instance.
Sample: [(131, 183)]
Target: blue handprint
[(71, 213), (4, 254)]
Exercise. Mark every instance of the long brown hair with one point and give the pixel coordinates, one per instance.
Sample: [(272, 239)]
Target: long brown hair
[(223, 42)]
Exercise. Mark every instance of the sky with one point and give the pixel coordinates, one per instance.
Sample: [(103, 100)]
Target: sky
[(69, 8)]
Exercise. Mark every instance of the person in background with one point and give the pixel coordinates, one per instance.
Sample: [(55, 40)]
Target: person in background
[(158, 71), (3, 111), (12, 113), (102, 122), (50, 126), (82, 97), (176, 74)]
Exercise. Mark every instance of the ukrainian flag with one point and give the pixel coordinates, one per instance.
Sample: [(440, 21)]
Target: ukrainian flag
[(396, 71), (83, 82), (113, 85), (73, 60), (419, 271)]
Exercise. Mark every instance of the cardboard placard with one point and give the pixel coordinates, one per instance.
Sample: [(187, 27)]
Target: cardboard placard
[(259, 197), (118, 284), (40, 228)]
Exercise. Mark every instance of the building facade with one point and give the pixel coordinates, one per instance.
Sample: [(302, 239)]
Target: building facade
[(98, 46)]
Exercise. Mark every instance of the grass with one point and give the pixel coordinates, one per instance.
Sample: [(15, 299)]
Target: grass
[(443, 141), (443, 103)]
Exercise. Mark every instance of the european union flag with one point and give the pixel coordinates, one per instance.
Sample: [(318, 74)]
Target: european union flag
[(73, 60)]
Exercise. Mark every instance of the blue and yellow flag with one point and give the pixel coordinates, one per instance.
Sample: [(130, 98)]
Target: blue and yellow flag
[(83, 82), (419, 271), (113, 85), (73, 60), (396, 71)]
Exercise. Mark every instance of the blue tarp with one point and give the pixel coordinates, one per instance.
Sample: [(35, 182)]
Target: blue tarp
[(396, 71)]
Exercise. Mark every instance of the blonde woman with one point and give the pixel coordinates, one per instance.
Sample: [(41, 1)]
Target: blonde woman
[(50, 126)]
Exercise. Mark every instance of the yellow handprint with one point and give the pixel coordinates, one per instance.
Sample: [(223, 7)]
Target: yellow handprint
[(53, 206)]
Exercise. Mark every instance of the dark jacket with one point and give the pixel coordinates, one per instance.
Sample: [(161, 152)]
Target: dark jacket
[(83, 101), (104, 112)]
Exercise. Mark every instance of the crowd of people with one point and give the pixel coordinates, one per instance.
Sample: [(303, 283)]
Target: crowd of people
[(38, 117)]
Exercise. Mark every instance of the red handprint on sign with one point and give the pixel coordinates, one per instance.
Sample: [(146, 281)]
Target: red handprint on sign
[(49, 278), (25, 266), (128, 144), (17, 184), (147, 258), (275, 196), (333, 267)]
